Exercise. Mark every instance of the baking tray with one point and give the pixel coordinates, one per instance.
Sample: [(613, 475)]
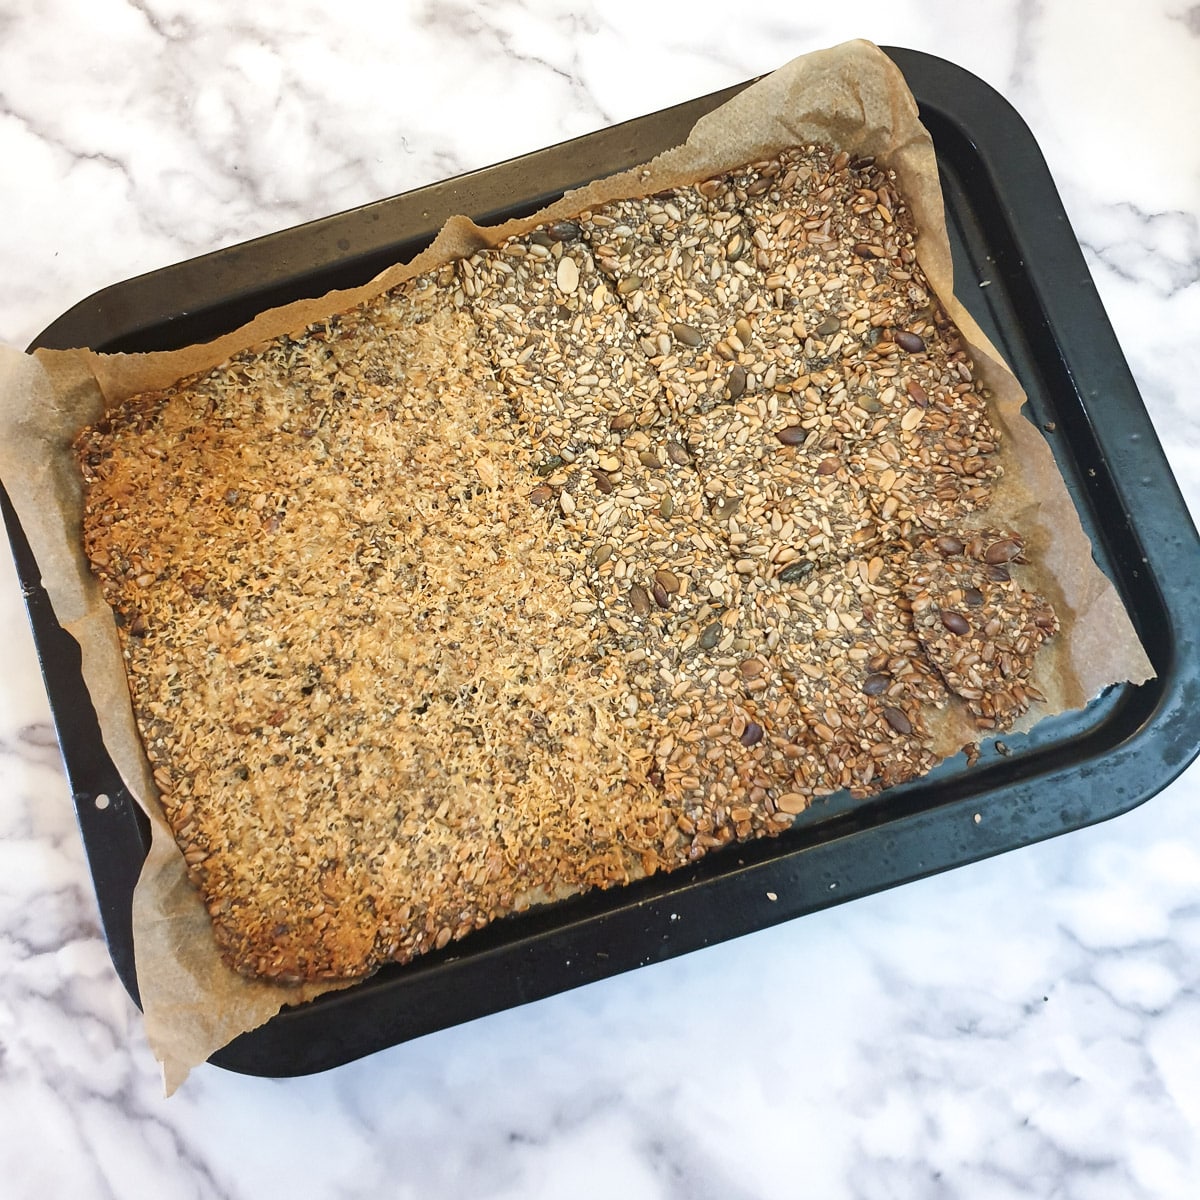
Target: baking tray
[(1009, 232)]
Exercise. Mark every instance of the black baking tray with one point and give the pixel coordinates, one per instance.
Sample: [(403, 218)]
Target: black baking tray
[(1020, 272)]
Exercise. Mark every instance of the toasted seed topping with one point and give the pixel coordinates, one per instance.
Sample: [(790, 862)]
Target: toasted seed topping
[(796, 571), (667, 580), (752, 734), (1002, 551), (567, 275), (955, 622), (876, 685), (707, 464), (735, 386)]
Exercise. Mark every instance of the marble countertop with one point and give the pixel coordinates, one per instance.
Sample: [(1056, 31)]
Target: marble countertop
[(1028, 1026)]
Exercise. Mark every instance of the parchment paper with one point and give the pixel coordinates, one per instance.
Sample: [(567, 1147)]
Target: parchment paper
[(851, 96)]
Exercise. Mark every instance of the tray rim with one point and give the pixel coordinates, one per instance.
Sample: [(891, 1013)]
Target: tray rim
[(1047, 260)]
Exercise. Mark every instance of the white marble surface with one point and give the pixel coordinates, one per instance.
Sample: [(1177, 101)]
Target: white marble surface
[(1026, 1027)]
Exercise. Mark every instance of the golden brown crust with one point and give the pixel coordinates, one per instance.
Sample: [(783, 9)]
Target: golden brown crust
[(583, 557)]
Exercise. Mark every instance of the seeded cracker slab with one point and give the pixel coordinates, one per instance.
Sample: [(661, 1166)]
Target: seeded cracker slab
[(286, 546), (559, 338), (851, 98)]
